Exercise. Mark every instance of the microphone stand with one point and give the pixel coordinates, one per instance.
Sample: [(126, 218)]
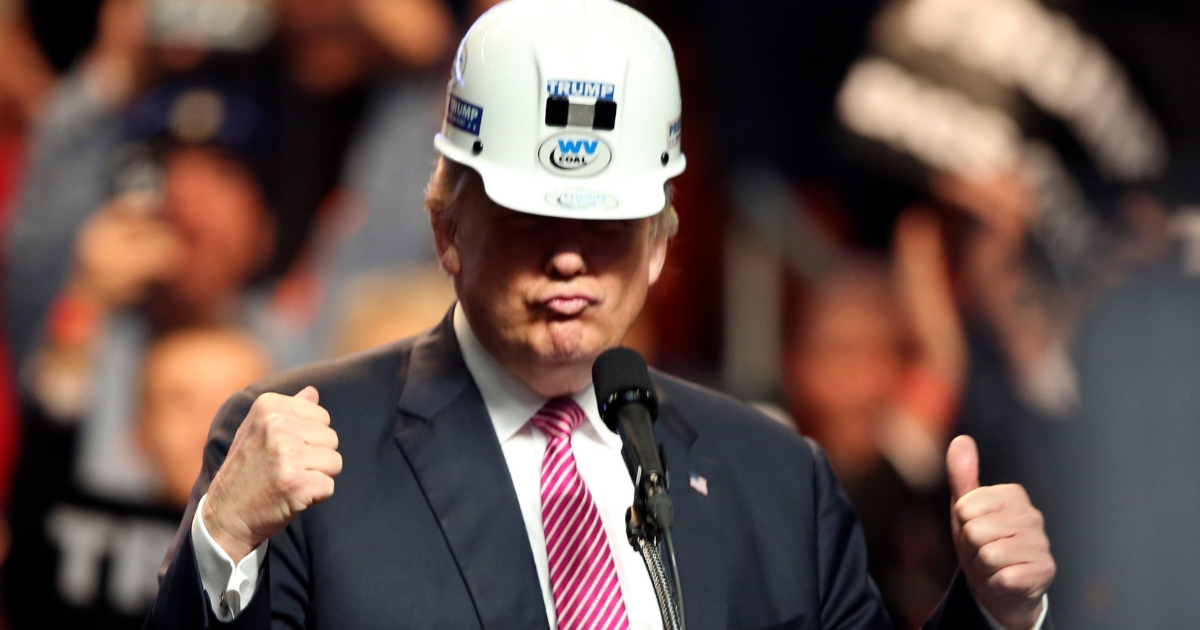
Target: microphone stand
[(647, 523)]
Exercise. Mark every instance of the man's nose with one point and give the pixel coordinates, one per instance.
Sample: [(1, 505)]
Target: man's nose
[(566, 263)]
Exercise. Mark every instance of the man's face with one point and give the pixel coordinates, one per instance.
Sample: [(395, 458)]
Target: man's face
[(186, 377), (849, 357), (219, 213), (546, 295)]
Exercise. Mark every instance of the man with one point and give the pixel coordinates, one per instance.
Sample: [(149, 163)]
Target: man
[(455, 451)]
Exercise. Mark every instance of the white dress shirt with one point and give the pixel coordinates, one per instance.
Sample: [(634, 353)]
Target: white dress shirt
[(510, 404)]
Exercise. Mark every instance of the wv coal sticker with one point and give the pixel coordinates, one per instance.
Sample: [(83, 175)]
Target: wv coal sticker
[(574, 154)]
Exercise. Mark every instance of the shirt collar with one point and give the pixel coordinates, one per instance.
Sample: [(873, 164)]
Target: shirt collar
[(510, 402)]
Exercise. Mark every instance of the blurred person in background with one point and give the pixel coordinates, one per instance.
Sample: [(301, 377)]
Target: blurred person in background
[(310, 65), (72, 146), (1110, 360), (346, 81), (1067, 135), (186, 374), (179, 244), (142, 268), (1016, 115), (84, 561), (875, 374), (1021, 323)]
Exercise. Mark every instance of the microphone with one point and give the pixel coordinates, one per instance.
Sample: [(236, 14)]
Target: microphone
[(628, 405)]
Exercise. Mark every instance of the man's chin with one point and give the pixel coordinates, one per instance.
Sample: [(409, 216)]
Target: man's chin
[(565, 354), (557, 364), (568, 343)]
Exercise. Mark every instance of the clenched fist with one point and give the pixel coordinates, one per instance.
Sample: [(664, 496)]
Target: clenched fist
[(1000, 539), (282, 461)]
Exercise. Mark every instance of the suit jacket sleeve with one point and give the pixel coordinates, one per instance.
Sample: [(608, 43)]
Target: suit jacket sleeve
[(849, 598), (282, 589)]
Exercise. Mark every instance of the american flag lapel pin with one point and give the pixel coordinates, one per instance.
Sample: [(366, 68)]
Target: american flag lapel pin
[(698, 483)]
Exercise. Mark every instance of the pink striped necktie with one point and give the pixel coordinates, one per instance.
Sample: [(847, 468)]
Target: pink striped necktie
[(583, 576)]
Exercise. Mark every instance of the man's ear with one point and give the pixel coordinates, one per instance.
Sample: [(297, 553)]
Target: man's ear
[(658, 256), (444, 233)]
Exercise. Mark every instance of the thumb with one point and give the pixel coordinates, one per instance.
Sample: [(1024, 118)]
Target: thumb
[(962, 466), (310, 394)]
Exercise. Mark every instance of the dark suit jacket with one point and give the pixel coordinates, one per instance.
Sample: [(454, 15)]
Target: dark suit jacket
[(424, 529)]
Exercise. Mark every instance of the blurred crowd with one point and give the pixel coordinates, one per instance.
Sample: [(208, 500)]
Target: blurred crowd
[(902, 220)]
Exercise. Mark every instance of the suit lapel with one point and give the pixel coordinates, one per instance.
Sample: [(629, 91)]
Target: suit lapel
[(703, 567), (447, 437)]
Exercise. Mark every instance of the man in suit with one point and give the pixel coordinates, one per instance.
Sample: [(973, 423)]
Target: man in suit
[(476, 486)]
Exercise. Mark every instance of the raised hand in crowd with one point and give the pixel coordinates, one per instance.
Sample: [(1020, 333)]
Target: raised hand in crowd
[(1031, 327), (925, 296), (27, 78), (414, 33), (122, 253), (117, 65)]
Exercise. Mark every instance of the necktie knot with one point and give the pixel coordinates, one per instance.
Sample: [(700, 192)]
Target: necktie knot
[(558, 418)]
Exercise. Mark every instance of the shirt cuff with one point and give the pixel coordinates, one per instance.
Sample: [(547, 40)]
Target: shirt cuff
[(1041, 620), (229, 586)]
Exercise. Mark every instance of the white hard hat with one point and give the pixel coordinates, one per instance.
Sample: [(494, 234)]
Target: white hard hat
[(566, 108)]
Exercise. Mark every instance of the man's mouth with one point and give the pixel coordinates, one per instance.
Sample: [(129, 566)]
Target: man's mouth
[(567, 305)]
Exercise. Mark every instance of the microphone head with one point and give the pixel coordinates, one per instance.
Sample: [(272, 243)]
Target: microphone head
[(621, 377)]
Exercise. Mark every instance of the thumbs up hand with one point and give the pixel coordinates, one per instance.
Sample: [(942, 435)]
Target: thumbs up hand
[(1000, 539)]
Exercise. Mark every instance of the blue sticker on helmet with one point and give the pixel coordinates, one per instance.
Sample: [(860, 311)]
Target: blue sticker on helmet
[(585, 89), (464, 115)]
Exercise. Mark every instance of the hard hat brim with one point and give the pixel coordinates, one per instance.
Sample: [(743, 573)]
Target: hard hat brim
[(592, 198)]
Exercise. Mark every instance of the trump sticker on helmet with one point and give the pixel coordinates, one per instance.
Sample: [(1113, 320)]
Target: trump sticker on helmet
[(574, 154), (581, 199), (582, 89), (464, 115)]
